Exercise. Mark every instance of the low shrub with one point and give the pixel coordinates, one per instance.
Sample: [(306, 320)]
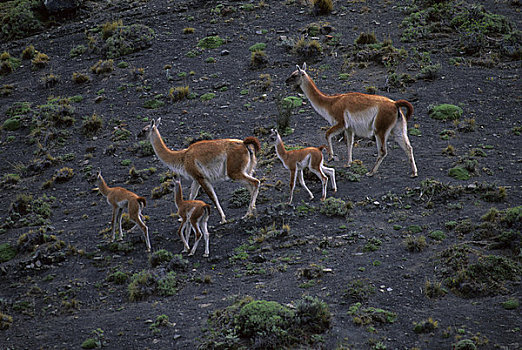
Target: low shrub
[(445, 112)]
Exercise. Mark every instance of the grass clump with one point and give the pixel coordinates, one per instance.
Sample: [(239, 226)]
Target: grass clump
[(168, 284), (262, 324), (445, 112), (78, 50), (257, 47), (359, 290), (114, 39), (142, 284), (370, 315), (207, 97), (470, 273), (5, 321), (307, 49), (335, 207), (426, 326), (437, 235), (25, 210), (322, 7), (12, 124), (511, 304), (459, 173), (39, 61), (261, 318), (154, 103), (118, 277), (91, 125), (366, 38), (80, 78), (8, 64), (415, 244), (96, 341), (160, 257), (258, 59), (178, 93), (211, 42), (20, 19), (434, 289), (7, 252), (103, 67)]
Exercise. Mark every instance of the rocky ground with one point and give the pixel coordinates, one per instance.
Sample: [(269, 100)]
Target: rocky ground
[(400, 262)]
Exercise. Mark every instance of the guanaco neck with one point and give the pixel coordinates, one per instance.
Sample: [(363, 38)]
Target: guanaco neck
[(102, 186), (178, 197), (280, 149), (316, 97), (172, 159)]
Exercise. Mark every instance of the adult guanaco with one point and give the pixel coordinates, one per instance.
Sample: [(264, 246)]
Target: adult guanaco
[(120, 198), (194, 215), (359, 114), (297, 160), (208, 161)]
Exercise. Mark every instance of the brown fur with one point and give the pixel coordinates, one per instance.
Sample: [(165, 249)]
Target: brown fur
[(202, 161), (359, 114), (194, 215), (297, 160), (120, 198)]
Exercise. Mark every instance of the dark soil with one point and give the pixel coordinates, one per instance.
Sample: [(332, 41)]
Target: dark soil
[(57, 287)]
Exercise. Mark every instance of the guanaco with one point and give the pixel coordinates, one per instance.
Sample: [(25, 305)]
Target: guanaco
[(120, 198), (297, 160), (194, 215), (359, 114), (208, 161)]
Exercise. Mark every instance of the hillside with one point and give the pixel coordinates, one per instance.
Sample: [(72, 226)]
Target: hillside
[(387, 261)]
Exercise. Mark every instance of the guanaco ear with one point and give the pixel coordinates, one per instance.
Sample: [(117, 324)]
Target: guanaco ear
[(158, 122), (98, 172), (304, 66)]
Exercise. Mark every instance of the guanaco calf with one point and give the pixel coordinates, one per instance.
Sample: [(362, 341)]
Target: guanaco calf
[(359, 114), (194, 216), (297, 160), (120, 198), (208, 161)]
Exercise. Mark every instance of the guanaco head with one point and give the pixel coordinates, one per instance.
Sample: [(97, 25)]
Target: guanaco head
[(148, 129), (296, 78), (274, 134), (99, 179)]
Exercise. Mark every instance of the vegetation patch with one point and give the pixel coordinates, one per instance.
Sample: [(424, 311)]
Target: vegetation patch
[(160, 257), (114, 39), (261, 324), (8, 64), (7, 252), (25, 210), (5, 321), (335, 207), (470, 273), (211, 42), (478, 31), (445, 112), (426, 326), (370, 315), (20, 19), (146, 283), (511, 304), (359, 290)]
